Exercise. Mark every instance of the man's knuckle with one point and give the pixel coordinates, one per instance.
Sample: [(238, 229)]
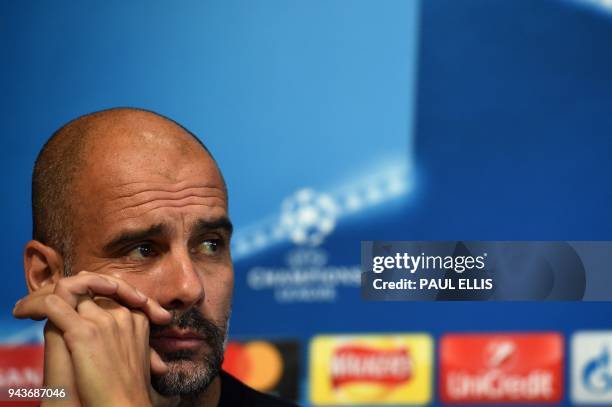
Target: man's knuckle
[(139, 314), (70, 338), (140, 318), (99, 278), (107, 321), (51, 300), (88, 332), (123, 314)]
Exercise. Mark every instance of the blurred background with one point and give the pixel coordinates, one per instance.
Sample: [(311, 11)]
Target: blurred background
[(336, 122)]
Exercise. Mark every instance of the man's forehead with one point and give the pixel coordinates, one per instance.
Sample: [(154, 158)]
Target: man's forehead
[(168, 226), (153, 151), (178, 206), (138, 177), (134, 170), (139, 191)]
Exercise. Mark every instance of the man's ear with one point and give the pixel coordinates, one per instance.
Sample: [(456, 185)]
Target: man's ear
[(43, 265)]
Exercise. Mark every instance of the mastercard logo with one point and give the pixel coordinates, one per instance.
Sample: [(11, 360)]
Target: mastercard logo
[(268, 366), (258, 364)]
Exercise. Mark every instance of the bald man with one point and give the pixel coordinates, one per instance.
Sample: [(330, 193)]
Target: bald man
[(130, 263)]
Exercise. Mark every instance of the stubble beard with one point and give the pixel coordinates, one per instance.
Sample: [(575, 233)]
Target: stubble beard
[(189, 373)]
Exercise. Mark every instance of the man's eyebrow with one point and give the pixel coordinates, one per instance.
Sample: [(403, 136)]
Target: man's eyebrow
[(202, 226), (131, 236)]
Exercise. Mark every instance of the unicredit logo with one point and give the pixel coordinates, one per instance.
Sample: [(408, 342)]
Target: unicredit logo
[(501, 368), (498, 385), (354, 363)]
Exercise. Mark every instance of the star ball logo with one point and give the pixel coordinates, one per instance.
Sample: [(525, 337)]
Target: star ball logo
[(499, 368), (308, 217), (591, 369)]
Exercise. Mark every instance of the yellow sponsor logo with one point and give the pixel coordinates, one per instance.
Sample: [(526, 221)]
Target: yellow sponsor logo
[(371, 369)]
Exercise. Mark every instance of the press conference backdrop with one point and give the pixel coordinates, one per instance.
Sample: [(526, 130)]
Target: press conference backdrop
[(333, 123)]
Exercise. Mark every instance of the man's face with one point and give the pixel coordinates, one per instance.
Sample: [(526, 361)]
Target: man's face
[(155, 215)]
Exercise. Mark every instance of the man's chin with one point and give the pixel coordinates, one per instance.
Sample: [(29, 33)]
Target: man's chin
[(192, 347), (186, 376)]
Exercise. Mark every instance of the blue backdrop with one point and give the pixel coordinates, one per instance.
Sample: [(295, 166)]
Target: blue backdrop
[(442, 120)]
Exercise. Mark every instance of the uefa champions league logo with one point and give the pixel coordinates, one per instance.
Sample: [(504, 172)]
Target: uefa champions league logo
[(308, 217)]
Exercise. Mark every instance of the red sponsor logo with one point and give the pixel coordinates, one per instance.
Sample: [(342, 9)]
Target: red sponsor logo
[(354, 363), (501, 368), (21, 365)]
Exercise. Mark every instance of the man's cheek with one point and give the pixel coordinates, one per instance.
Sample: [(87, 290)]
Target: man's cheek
[(218, 299), (221, 282), (134, 274)]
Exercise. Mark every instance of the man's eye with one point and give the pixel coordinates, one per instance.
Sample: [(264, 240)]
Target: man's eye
[(141, 252), (209, 247)]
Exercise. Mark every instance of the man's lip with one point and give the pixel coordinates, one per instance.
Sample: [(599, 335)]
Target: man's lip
[(177, 334), (173, 340)]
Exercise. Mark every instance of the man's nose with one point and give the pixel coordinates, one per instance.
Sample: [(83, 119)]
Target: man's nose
[(182, 285)]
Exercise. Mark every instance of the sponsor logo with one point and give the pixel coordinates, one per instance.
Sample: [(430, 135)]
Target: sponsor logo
[(308, 217), (307, 277), (267, 366), (591, 368), (501, 368), (371, 369), (352, 364), (21, 365)]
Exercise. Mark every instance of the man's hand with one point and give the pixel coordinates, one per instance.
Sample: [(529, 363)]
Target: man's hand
[(110, 352), (58, 371), (58, 303), (70, 289)]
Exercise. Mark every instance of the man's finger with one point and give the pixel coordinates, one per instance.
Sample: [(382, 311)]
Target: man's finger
[(52, 307), (69, 289), (158, 366), (130, 295), (58, 368), (132, 298), (86, 283), (34, 307), (156, 313), (98, 311)]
